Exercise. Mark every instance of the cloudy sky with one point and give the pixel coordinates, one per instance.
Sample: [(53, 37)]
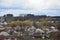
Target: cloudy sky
[(37, 7)]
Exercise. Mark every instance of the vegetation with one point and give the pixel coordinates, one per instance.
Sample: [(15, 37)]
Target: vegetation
[(21, 23)]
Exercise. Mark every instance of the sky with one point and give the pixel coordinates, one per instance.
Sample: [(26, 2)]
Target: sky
[(37, 7)]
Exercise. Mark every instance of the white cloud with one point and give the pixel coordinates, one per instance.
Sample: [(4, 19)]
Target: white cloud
[(17, 11), (34, 4), (45, 6)]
